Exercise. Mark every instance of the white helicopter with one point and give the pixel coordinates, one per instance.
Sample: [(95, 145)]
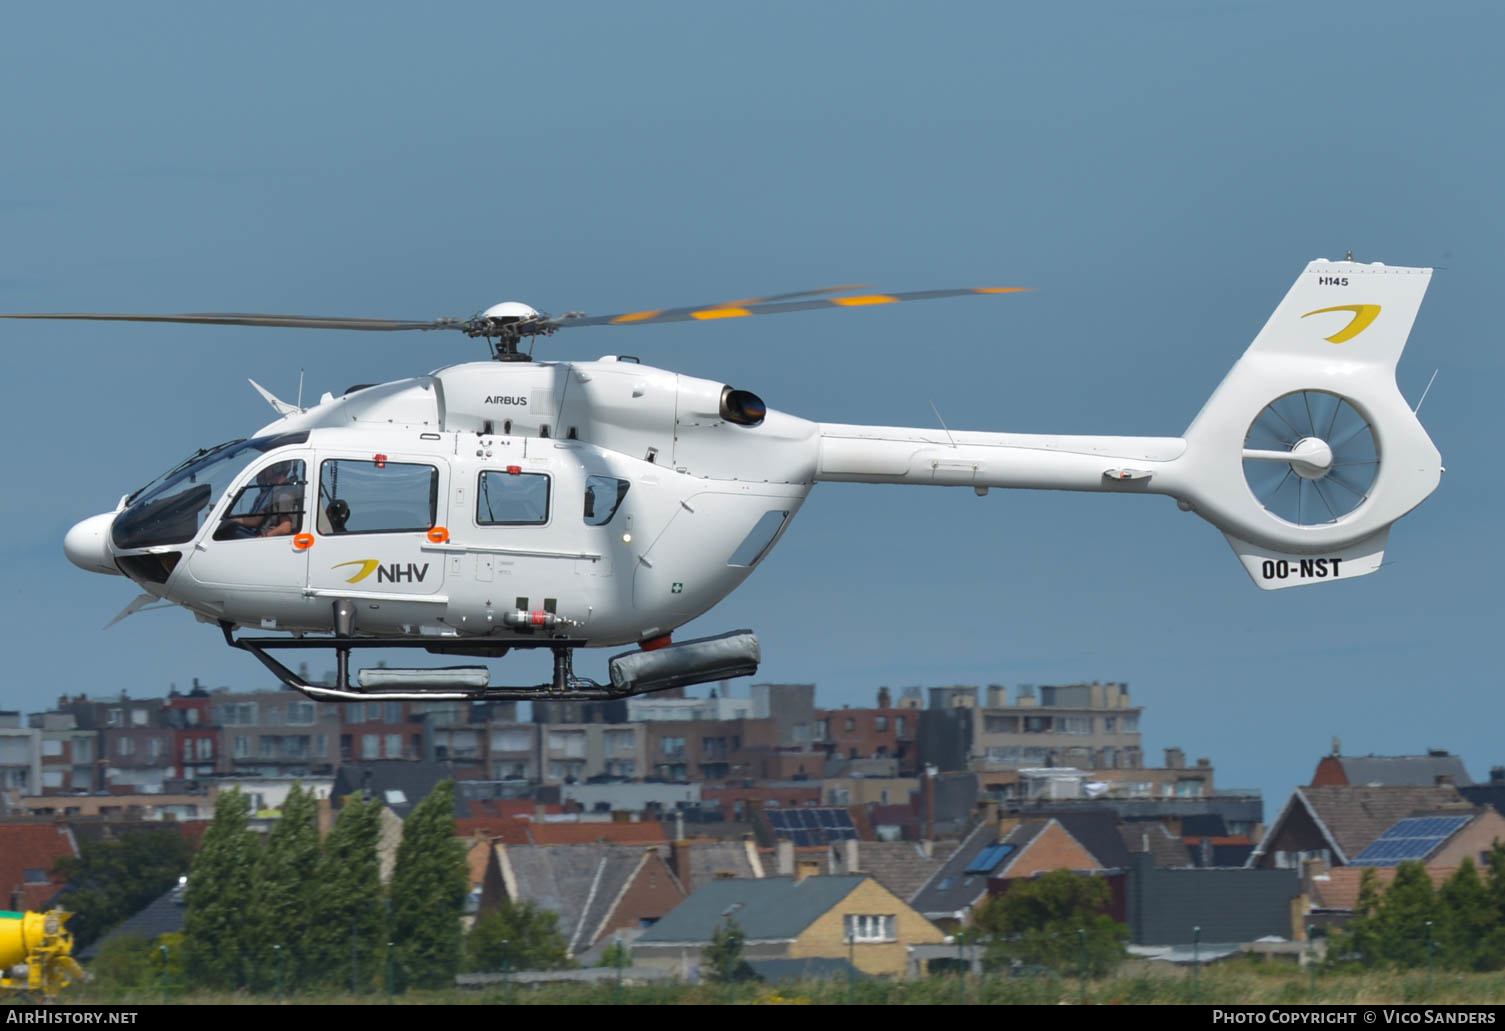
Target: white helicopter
[(514, 504)]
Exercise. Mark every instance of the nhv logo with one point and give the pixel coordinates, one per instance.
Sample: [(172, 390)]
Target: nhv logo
[(394, 572)]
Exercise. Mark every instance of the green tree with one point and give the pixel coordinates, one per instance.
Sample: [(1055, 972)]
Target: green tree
[(1492, 939), (133, 961), (219, 894), (111, 880), (429, 884), (1038, 922), (287, 888), (617, 954), (531, 936), (1358, 941), (1465, 919), (722, 959), (1401, 918), (348, 904)]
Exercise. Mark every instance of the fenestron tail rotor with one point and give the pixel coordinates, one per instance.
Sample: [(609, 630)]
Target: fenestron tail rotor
[(1310, 458), (505, 324)]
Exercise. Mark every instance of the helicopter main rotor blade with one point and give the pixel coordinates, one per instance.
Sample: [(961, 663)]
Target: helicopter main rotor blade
[(770, 306), (242, 319)]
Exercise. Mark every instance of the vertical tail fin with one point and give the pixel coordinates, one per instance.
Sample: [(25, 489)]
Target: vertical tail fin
[(1307, 451)]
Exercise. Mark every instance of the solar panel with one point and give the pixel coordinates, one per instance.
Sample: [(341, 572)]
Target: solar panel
[(989, 858), (1413, 838), (811, 825)]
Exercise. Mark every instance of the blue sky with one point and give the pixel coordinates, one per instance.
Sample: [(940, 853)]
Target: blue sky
[(1159, 171)]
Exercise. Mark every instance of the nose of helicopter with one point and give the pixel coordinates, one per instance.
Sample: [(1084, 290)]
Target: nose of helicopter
[(88, 544)]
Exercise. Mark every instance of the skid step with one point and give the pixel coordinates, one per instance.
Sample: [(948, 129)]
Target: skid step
[(452, 678)]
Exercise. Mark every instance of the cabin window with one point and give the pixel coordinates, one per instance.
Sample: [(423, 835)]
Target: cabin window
[(603, 496), (512, 499), (759, 539), (365, 496)]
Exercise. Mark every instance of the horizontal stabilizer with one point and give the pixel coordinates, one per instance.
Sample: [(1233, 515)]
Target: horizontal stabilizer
[(1271, 570)]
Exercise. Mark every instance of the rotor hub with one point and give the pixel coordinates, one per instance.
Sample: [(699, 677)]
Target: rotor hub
[(1311, 458)]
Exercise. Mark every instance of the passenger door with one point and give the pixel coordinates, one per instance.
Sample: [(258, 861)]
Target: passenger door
[(372, 516)]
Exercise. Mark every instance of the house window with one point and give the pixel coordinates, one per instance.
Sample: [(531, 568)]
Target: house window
[(1129, 725), (865, 928), (1110, 724), (394, 746), (187, 750), (880, 724), (571, 744), (1074, 724), (242, 746), (673, 747), (300, 714), (138, 717), (370, 746), (392, 712), (124, 746), (514, 740), (205, 748), (899, 729), (321, 746), (850, 725), (116, 718), (355, 712), (619, 740), (52, 748)]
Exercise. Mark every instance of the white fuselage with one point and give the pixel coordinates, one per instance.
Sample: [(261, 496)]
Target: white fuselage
[(691, 523)]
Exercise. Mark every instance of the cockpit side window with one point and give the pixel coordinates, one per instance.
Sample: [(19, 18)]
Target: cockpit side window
[(171, 509), (270, 506), (603, 496)]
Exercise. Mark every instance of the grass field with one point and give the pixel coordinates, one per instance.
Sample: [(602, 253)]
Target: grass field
[(1246, 983)]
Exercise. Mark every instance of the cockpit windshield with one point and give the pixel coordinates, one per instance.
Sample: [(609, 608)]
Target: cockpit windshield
[(172, 508)]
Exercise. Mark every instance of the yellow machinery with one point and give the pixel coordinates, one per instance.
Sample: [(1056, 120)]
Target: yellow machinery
[(36, 953)]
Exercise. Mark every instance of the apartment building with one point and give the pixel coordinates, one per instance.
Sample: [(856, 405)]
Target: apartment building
[(1089, 726)]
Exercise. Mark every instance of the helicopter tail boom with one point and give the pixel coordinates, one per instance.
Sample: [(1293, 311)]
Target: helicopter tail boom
[(1303, 456)]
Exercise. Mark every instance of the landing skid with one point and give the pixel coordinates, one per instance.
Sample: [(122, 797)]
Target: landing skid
[(692, 662)]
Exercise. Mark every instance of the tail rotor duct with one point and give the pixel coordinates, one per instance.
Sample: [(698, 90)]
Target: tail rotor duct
[(1310, 458)]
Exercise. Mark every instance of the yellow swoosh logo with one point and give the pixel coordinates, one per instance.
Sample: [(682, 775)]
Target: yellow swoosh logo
[(368, 566), (1363, 315)]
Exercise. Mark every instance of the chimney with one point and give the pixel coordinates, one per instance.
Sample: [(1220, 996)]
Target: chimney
[(784, 857), (1497, 774), (850, 860), (988, 811), (1175, 759), (885, 700), (754, 861), (679, 861), (998, 696), (929, 803), (679, 825)]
